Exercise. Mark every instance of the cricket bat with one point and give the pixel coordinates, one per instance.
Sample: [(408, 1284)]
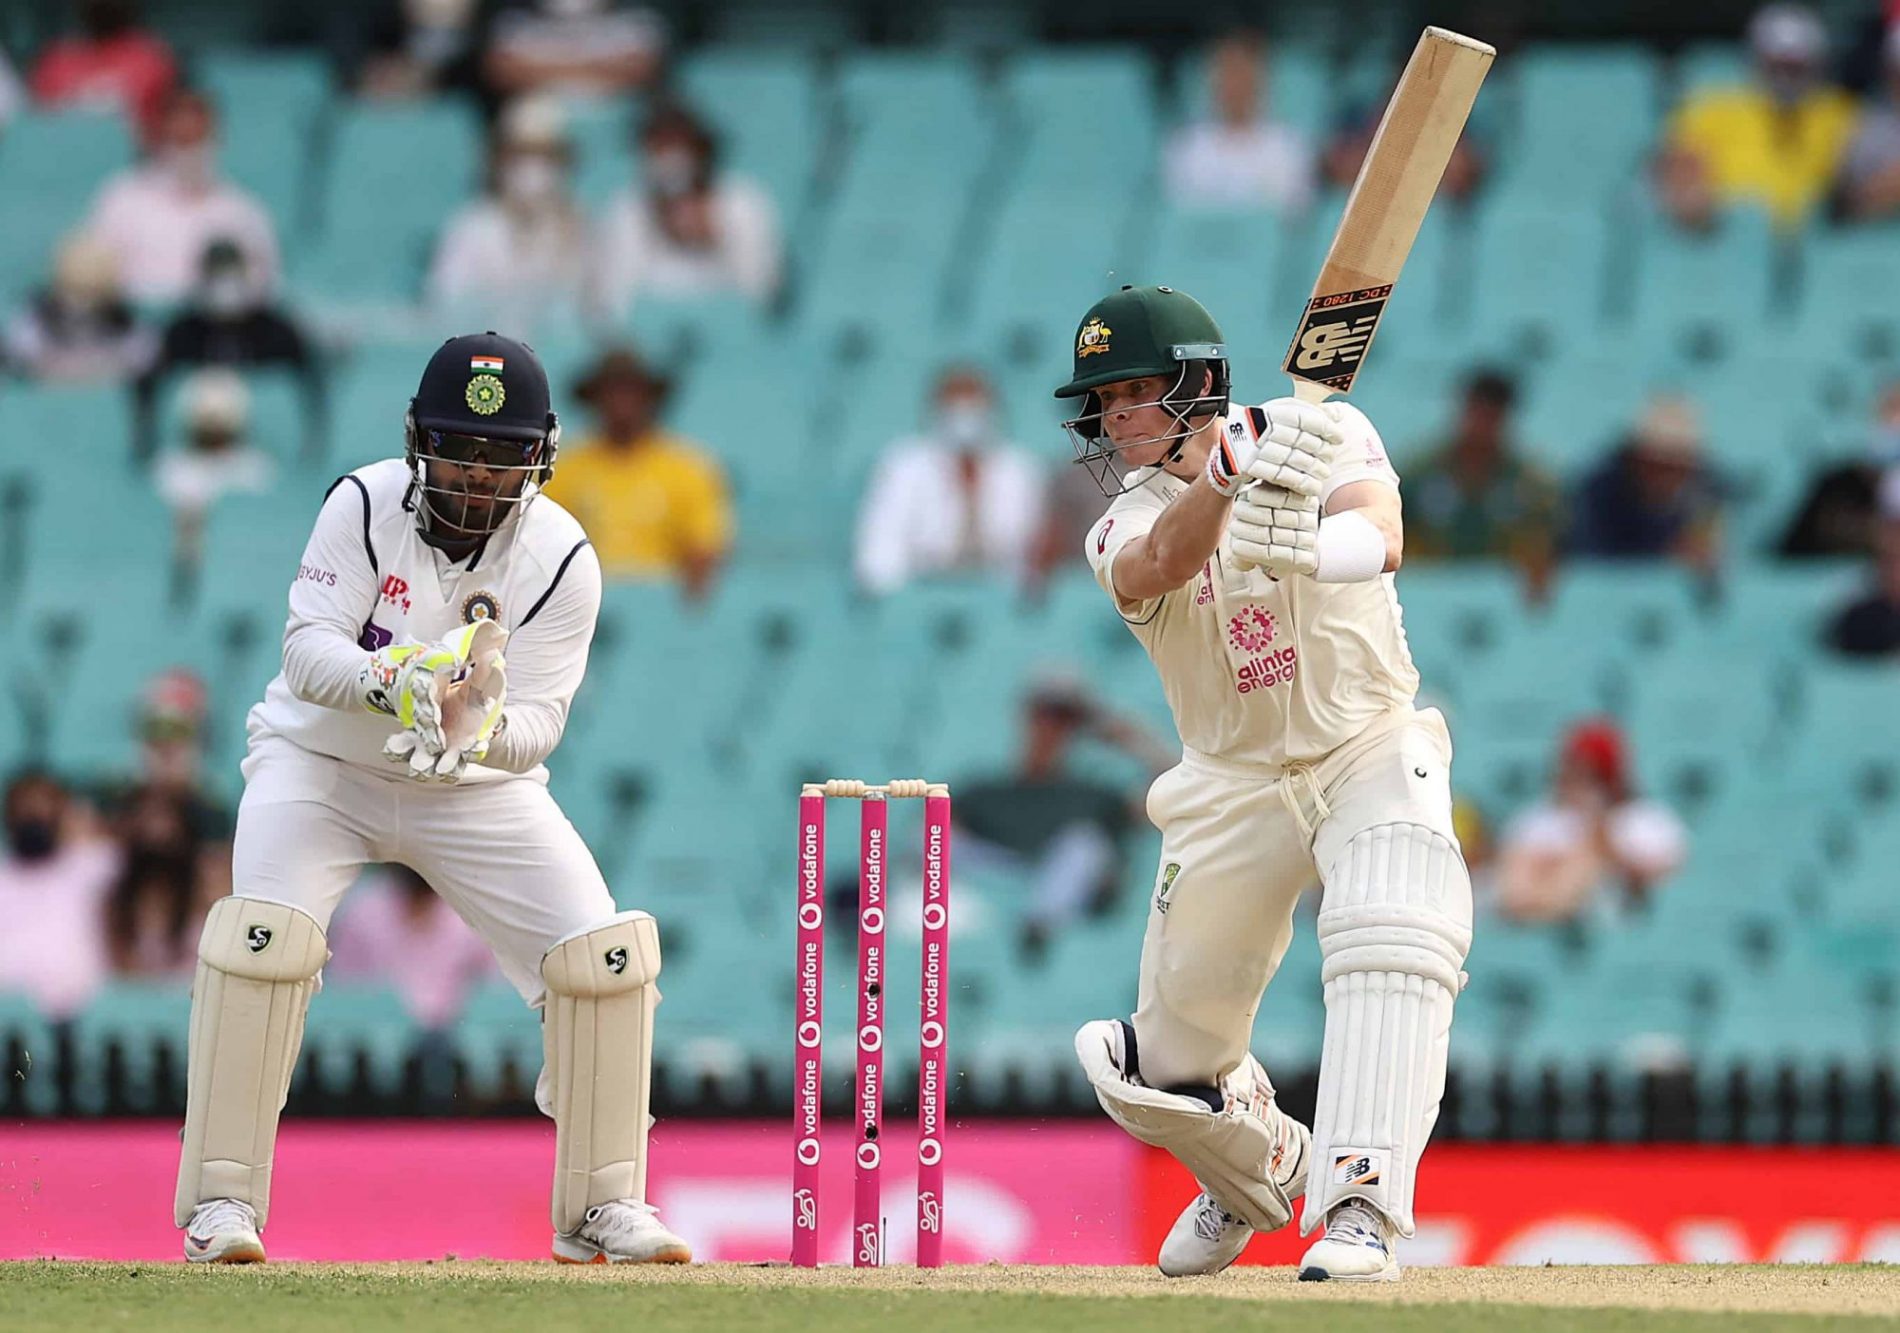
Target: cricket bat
[(1396, 183)]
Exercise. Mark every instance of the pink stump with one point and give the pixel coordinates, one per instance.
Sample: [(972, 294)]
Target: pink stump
[(808, 1055), (867, 1219), (933, 1022)]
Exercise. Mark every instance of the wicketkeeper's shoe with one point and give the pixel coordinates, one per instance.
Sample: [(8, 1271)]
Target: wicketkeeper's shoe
[(1206, 1238), (1357, 1247), (624, 1231), (223, 1231)]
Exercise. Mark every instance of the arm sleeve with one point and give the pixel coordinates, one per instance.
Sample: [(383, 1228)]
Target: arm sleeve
[(883, 548), (706, 518), (1128, 518), (331, 599), (547, 659), (1361, 456), (753, 243)]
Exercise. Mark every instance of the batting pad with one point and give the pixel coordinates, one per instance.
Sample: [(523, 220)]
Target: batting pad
[(1231, 1152), (257, 968), (597, 1034), (1393, 934)]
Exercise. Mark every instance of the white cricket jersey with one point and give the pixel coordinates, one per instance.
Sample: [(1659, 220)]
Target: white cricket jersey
[(368, 579), (1260, 671)]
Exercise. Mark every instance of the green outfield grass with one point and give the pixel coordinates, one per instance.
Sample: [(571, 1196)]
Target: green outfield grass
[(46, 1296)]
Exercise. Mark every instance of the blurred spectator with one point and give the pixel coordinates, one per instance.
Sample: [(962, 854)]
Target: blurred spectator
[(1868, 187), (1843, 510), (1351, 139), (958, 499), (1064, 832), (159, 217), (1478, 497), (80, 327), (590, 48), (414, 48), (395, 930), (215, 459), (158, 902), (1869, 626), (688, 229), (1775, 142), (1236, 157), (111, 62), (54, 879), (518, 258), (1592, 842), (1071, 504), (654, 503), (172, 724), (231, 320), (1654, 497), (12, 95)]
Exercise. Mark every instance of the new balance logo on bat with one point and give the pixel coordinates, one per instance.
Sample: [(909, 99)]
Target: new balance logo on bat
[(1334, 336), (1324, 344)]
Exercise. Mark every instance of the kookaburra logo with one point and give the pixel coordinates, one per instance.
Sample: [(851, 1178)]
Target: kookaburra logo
[(258, 938), (1323, 344), (617, 960)]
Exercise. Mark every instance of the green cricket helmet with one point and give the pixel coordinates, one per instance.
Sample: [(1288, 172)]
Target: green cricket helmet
[(1145, 333)]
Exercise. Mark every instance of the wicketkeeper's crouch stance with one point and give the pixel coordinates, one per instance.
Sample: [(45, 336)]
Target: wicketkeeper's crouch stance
[(397, 733), (1250, 549)]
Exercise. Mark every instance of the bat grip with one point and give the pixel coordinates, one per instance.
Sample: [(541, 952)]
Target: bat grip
[(1309, 392)]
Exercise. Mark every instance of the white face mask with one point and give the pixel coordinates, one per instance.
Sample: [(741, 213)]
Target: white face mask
[(532, 180), (672, 171), (964, 423), (189, 167), (227, 293)]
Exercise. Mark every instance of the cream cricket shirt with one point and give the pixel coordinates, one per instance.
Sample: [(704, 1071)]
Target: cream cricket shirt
[(1256, 670), (368, 579)]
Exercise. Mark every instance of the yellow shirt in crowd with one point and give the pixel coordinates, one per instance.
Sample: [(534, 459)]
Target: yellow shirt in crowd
[(647, 509), (1758, 152)]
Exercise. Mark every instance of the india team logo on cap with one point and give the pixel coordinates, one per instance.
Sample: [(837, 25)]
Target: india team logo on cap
[(485, 395)]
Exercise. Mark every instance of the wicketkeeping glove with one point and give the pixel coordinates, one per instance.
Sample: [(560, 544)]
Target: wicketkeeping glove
[(454, 705)]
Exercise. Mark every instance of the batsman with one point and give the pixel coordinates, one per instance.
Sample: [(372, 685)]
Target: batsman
[(1251, 550), (397, 731)]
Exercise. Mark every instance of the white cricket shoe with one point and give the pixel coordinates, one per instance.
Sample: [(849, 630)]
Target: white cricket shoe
[(1357, 1247), (623, 1231), (223, 1231), (1206, 1238)]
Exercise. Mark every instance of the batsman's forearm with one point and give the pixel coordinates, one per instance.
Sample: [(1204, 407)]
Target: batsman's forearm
[(1185, 536)]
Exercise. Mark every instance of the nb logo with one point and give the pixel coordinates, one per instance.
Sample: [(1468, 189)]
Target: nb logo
[(258, 938), (617, 960), (1322, 345)]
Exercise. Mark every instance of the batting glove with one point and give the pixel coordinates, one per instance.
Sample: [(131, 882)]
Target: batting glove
[(1275, 531), (1296, 451)]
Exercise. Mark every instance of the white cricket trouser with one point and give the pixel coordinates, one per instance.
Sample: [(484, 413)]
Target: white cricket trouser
[(1218, 931), (501, 853)]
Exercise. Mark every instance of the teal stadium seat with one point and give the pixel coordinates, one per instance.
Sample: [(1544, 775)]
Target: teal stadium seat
[(271, 108), (395, 174), (1599, 102), (52, 164)]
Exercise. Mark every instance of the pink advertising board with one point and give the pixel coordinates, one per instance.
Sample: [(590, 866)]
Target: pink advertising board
[(1016, 1193)]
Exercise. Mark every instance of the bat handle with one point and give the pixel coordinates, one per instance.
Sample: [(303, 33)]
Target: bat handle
[(1309, 392)]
